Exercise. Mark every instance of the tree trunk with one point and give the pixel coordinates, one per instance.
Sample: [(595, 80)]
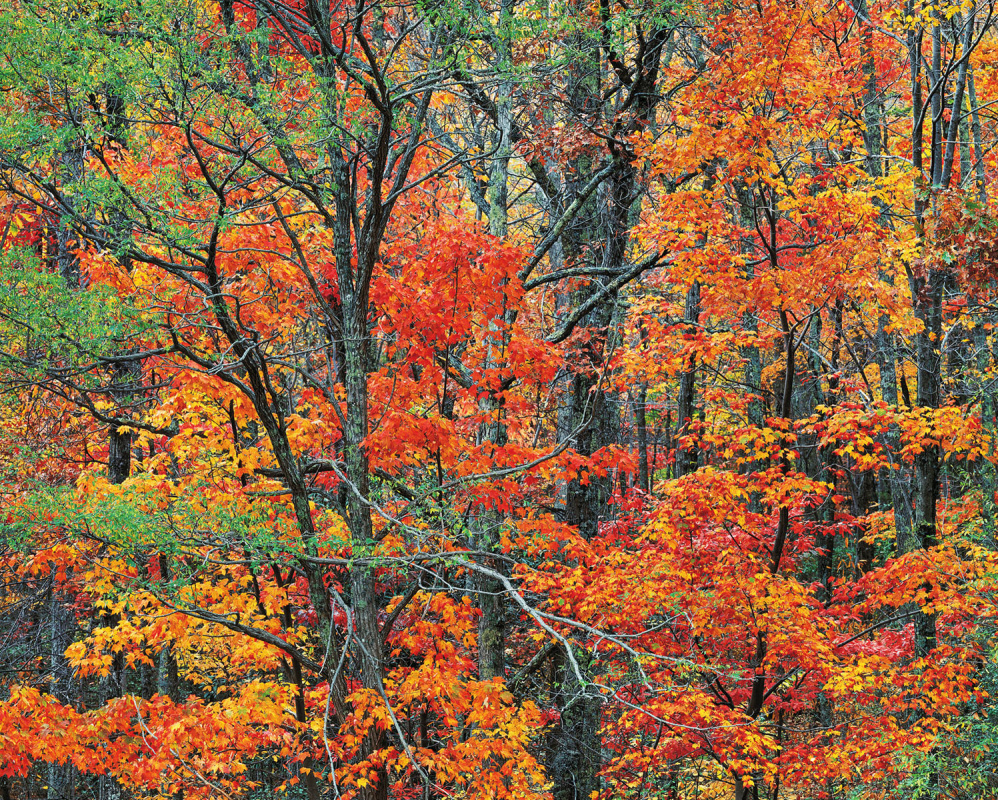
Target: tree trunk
[(686, 450)]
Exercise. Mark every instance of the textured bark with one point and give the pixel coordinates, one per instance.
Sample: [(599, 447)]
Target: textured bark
[(985, 472), (686, 449), (489, 592), (752, 370), (61, 777), (895, 480), (926, 467), (640, 402), (576, 758), (66, 260), (124, 380), (975, 128)]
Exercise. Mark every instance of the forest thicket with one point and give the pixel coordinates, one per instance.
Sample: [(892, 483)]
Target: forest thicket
[(570, 399)]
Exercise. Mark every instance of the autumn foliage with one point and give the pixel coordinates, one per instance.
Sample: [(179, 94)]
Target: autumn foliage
[(444, 400)]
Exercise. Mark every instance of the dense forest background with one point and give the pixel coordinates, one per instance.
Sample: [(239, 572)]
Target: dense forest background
[(568, 399)]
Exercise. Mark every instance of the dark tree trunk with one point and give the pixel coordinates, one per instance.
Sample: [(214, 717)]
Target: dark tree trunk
[(686, 449)]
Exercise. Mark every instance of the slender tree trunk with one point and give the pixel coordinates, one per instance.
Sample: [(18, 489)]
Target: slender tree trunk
[(975, 128), (686, 450), (641, 434), (61, 777), (490, 593)]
